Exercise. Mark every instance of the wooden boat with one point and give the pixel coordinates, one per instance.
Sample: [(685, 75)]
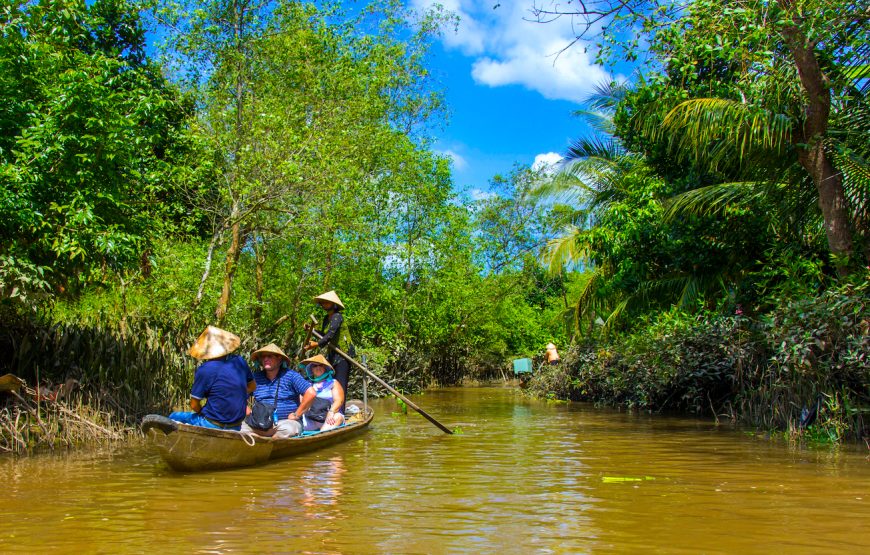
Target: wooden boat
[(191, 448)]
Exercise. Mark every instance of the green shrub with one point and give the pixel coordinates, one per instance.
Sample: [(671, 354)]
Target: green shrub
[(808, 351)]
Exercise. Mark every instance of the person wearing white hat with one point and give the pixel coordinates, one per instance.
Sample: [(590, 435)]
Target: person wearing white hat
[(224, 379), (336, 335)]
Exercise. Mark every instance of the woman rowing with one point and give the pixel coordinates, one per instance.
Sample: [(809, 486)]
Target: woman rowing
[(336, 335)]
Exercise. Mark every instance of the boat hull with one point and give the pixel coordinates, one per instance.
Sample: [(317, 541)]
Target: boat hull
[(194, 448)]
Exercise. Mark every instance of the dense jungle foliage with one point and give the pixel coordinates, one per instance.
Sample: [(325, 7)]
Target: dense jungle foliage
[(721, 214), (168, 165), (263, 154)]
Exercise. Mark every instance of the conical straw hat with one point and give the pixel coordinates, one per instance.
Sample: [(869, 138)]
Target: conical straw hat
[(330, 296), (214, 343), (271, 349), (318, 359)]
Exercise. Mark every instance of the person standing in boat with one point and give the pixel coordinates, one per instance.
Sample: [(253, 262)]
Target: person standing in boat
[(326, 410), (275, 380), (336, 335), (223, 379)]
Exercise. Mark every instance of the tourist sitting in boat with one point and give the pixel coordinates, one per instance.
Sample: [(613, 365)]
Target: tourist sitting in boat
[(276, 380), (325, 412), (223, 379)]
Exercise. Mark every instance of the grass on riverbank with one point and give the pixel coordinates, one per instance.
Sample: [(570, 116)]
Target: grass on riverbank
[(28, 423), (86, 384)]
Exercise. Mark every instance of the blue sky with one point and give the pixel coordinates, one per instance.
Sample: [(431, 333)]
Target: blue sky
[(510, 98)]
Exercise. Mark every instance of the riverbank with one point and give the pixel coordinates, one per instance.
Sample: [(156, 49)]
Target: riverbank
[(801, 368), (65, 385), (47, 420)]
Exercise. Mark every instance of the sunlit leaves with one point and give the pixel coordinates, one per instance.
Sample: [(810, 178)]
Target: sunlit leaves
[(85, 132)]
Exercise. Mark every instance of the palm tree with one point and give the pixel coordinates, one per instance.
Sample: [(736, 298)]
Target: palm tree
[(598, 178), (799, 132)]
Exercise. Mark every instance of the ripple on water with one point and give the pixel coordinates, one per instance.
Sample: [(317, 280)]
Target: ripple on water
[(523, 477)]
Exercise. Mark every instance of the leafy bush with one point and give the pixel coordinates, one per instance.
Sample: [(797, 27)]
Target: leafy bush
[(810, 352)]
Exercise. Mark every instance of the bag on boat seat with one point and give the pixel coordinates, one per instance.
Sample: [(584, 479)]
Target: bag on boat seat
[(318, 409), (261, 417)]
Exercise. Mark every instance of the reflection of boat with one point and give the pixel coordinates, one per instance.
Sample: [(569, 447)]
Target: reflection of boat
[(190, 448)]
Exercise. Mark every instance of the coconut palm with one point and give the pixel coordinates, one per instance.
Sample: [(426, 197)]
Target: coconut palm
[(600, 181), (794, 125), (620, 279)]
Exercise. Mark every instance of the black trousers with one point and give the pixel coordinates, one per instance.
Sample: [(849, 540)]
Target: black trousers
[(342, 372)]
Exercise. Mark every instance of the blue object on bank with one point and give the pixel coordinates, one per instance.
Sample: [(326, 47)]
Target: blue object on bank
[(522, 366)]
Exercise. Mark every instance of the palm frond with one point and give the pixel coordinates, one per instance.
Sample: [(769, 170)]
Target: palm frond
[(605, 148), (600, 122), (696, 126), (587, 294), (615, 314), (664, 290), (856, 184), (568, 249), (588, 300), (562, 188), (606, 96), (714, 199), (855, 169)]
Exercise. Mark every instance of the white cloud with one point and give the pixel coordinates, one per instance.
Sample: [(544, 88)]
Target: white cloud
[(459, 162), (510, 50), (469, 36), (479, 194), (547, 162)]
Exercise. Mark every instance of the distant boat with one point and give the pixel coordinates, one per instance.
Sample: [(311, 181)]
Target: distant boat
[(188, 448)]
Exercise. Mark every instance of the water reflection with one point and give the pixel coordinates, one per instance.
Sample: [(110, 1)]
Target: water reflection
[(523, 477)]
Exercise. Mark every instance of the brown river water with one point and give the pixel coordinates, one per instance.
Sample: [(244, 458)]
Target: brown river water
[(522, 477)]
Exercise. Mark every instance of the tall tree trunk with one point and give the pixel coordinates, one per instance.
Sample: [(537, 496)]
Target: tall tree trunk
[(229, 270), (260, 253), (215, 238), (295, 318), (828, 181), (239, 8), (328, 258)]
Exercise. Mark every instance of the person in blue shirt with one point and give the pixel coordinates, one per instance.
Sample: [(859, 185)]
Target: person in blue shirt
[(223, 381), (294, 392)]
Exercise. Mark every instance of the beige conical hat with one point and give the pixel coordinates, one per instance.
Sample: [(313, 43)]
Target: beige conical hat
[(318, 359), (272, 349), (330, 296), (214, 343)]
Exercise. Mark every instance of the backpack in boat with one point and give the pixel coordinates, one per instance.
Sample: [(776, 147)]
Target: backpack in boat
[(262, 415)]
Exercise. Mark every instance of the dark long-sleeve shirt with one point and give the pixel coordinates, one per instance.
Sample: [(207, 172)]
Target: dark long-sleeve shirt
[(331, 332)]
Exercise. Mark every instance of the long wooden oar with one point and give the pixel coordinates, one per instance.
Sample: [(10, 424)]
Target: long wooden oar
[(389, 388), (309, 327)]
